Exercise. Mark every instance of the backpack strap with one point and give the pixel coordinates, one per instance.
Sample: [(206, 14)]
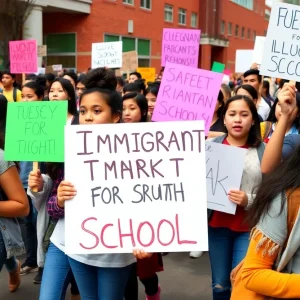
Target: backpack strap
[(15, 94)]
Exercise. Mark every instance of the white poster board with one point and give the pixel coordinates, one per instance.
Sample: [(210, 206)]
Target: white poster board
[(224, 170), (57, 68), (142, 179), (107, 55), (258, 49), (281, 57), (243, 60)]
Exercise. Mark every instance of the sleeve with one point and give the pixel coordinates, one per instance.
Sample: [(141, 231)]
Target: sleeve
[(257, 273), (19, 96), (4, 165), (290, 143), (52, 207)]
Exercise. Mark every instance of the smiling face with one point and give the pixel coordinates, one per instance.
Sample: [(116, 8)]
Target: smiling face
[(131, 111), (57, 92), (238, 119), (29, 94)]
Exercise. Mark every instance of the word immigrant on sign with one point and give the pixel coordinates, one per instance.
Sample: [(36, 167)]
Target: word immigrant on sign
[(187, 94), (281, 56), (35, 131), (224, 170), (180, 46), (134, 188), (107, 55), (23, 56)]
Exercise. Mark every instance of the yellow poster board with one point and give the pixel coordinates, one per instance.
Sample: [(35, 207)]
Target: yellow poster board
[(147, 73)]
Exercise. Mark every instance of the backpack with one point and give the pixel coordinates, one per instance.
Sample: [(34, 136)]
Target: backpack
[(238, 289)]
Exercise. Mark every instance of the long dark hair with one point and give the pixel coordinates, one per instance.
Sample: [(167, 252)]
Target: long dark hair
[(221, 103), (142, 103), (285, 177), (3, 115), (254, 136)]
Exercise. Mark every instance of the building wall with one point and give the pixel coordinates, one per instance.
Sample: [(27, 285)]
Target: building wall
[(111, 17)]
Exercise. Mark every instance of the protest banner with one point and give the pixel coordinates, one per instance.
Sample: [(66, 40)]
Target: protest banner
[(180, 46), (224, 170), (243, 60), (147, 73), (57, 68), (130, 61), (258, 49), (41, 71), (135, 188), (35, 131), (218, 67), (107, 55), (42, 51), (23, 57), (281, 57), (187, 93)]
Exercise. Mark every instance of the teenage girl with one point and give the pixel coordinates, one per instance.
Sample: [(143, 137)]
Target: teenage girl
[(229, 234), (135, 110), (103, 276), (32, 91), (151, 95)]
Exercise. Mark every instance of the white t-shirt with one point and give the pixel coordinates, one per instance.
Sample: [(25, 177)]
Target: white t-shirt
[(263, 109)]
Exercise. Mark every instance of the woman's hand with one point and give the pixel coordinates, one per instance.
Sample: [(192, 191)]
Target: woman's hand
[(141, 254), (238, 197), (35, 179), (287, 99), (66, 191)]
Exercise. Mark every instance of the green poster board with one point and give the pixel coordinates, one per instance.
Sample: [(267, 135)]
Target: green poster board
[(35, 131), (218, 67)]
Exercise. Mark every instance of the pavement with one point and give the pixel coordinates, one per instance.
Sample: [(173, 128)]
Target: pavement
[(183, 279)]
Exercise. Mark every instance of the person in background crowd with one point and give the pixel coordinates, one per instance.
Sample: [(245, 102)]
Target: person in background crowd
[(226, 92), (50, 77), (151, 95), (120, 84), (80, 88), (253, 78), (72, 77), (13, 203), (29, 77), (265, 91), (160, 75), (61, 73), (1, 85), (133, 87), (11, 93), (32, 91), (134, 76)]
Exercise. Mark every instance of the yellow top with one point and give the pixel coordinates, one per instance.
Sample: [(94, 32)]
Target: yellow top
[(10, 98)]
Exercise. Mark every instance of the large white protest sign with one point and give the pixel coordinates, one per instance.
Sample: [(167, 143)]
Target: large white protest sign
[(282, 47), (258, 49), (107, 55), (243, 60), (138, 186), (224, 170)]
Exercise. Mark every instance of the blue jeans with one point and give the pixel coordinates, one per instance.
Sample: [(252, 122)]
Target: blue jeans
[(11, 263), (56, 276), (227, 249), (96, 283)]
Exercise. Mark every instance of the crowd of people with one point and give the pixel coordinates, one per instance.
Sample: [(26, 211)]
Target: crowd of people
[(253, 112)]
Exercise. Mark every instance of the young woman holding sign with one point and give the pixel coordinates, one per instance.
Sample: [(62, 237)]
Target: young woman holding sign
[(229, 234), (102, 276)]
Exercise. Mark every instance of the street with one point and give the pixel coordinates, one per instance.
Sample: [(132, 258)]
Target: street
[(183, 279)]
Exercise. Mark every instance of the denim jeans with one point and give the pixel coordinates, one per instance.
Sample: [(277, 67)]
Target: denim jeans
[(96, 283), (56, 276), (227, 249), (11, 263)]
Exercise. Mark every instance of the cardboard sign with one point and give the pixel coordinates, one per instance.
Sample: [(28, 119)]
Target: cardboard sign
[(147, 73), (180, 46), (23, 57), (224, 171), (135, 189), (130, 61), (35, 131), (57, 68), (42, 51), (107, 55), (218, 67), (243, 60), (258, 49), (187, 94), (281, 56)]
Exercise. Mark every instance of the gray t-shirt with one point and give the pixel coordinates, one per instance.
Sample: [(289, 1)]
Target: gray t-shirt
[(4, 165)]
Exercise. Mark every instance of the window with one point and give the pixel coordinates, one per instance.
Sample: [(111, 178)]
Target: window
[(245, 3), (249, 34), (61, 50), (223, 27), (243, 32), (236, 30), (194, 20), (229, 32), (128, 2), (182, 16), (146, 4), (168, 13)]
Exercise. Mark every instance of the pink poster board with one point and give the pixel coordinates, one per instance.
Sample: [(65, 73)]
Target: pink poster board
[(23, 57), (180, 46), (227, 72), (187, 93)]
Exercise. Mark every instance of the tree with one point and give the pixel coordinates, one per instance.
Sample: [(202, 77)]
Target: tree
[(13, 14)]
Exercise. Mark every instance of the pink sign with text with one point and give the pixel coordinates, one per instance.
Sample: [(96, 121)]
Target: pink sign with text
[(23, 57), (187, 93), (180, 46)]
